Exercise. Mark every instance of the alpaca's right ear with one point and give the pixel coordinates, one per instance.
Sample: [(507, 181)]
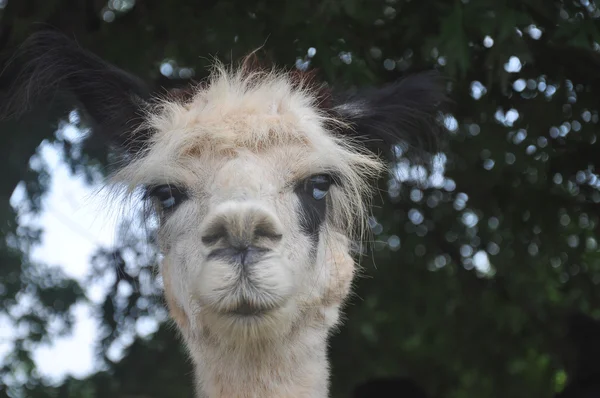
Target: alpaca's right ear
[(49, 65)]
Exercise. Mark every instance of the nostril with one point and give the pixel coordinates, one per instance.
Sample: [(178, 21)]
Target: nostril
[(213, 235), (210, 239), (262, 231)]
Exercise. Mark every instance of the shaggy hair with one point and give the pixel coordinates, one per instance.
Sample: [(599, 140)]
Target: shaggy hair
[(261, 179)]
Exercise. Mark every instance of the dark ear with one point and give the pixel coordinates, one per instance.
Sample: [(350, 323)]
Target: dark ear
[(49, 66), (401, 113)]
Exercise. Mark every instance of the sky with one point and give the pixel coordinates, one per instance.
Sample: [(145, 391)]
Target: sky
[(75, 226)]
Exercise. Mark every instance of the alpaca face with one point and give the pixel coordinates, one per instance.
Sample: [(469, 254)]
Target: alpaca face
[(257, 201)]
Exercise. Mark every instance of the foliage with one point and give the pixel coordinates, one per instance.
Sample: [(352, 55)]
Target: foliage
[(518, 188)]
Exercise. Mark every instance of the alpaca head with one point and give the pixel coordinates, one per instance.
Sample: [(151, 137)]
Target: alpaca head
[(260, 180), (258, 196)]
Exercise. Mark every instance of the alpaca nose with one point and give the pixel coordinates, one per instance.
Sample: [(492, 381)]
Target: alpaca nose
[(241, 233)]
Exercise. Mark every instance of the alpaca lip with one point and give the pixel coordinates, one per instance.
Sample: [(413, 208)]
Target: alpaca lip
[(245, 309)]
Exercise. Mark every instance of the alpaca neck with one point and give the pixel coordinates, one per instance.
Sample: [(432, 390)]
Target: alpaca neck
[(291, 366)]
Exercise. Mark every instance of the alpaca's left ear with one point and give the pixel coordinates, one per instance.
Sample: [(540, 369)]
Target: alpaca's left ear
[(402, 113)]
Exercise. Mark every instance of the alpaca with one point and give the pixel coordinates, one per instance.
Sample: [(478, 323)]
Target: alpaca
[(261, 179)]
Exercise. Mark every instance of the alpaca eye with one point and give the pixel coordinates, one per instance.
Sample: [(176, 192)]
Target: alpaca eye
[(317, 186), (169, 196)]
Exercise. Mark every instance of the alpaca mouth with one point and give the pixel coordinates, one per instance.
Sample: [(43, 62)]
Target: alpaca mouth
[(248, 310)]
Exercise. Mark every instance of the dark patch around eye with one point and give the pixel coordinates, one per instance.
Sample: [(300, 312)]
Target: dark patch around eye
[(312, 195), (312, 214)]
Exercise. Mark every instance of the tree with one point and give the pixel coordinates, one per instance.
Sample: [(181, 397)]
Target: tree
[(475, 267)]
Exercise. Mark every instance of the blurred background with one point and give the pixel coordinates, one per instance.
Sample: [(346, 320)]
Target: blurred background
[(479, 260)]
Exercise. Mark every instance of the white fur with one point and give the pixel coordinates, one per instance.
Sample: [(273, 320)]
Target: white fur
[(239, 147)]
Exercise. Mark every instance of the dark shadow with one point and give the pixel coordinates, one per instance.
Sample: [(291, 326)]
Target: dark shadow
[(396, 387), (584, 378)]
